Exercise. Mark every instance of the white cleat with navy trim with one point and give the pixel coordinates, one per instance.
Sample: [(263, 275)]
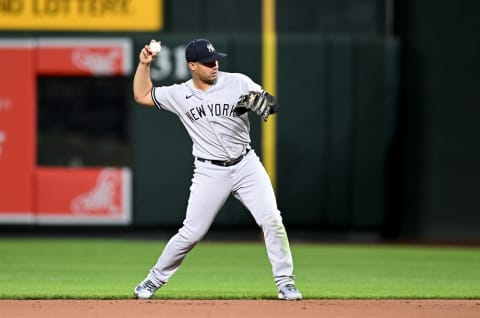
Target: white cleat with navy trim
[(289, 292)]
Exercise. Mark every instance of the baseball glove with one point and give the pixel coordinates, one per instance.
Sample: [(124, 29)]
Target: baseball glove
[(254, 101)]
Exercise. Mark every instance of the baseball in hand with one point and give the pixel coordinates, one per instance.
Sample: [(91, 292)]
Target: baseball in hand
[(155, 47)]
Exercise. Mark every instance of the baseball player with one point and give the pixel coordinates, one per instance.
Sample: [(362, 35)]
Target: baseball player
[(214, 106)]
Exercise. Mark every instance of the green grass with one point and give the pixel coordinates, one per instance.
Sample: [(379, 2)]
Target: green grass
[(109, 269)]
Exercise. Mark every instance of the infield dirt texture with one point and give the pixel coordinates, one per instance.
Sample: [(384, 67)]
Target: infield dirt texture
[(240, 308)]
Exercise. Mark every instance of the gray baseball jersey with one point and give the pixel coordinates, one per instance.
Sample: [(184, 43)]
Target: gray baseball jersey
[(208, 116)]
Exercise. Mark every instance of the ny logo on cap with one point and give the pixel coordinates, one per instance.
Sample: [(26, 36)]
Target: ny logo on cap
[(210, 47)]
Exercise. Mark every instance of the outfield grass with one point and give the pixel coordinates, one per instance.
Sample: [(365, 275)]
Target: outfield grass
[(109, 269)]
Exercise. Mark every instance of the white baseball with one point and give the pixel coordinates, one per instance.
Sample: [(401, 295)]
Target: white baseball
[(155, 47)]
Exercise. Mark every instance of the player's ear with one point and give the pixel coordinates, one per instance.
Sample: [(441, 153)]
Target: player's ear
[(192, 66)]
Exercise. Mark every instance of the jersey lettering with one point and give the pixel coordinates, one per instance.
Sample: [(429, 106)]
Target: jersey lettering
[(217, 110), (201, 111)]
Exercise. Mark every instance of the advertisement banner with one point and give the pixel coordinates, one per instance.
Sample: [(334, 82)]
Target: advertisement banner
[(83, 195), (81, 15), (42, 195), (84, 57), (17, 130)]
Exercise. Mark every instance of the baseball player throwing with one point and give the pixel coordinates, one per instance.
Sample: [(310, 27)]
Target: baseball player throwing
[(214, 106)]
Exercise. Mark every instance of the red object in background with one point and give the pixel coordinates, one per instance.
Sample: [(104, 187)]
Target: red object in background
[(17, 129), (84, 57), (83, 195), (29, 194)]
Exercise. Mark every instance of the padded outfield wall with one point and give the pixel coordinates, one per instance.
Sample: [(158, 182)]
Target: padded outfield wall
[(360, 159), (337, 84)]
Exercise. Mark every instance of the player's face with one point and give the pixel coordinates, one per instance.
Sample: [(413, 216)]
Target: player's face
[(207, 72)]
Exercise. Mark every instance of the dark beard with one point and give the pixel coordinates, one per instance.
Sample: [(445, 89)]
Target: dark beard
[(209, 82)]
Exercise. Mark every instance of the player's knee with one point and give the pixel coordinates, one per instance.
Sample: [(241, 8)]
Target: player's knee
[(272, 221), (191, 235)]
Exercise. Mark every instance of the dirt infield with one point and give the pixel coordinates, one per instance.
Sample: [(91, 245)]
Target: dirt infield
[(239, 308)]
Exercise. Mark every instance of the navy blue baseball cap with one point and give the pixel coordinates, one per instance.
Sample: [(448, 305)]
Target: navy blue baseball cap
[(201, 50)]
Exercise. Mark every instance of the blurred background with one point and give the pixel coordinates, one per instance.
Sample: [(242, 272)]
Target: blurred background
[(376, 139)]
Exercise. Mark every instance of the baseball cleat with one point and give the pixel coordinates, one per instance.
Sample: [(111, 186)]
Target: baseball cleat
[(145, 289), (289, 292)]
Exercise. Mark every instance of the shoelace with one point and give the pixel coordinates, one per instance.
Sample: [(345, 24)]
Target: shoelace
[(290, 287), (149, 285)]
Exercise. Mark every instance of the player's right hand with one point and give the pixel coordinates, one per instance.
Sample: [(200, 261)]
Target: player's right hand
[(147, 56)]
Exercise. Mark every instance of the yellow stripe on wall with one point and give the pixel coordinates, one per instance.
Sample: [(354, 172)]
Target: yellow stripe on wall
[(269, 75)]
